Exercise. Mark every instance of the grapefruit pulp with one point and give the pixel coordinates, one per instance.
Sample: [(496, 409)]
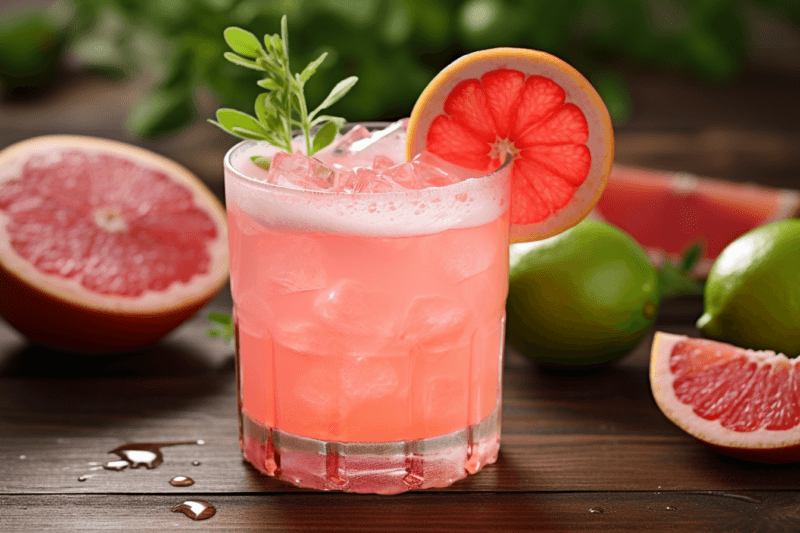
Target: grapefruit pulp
[(532, 107), (742, 403), (668, 212), (104, 246)]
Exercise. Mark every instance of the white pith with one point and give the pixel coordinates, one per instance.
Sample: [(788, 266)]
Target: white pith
[(178, 295), (710, 431), (110, 219)]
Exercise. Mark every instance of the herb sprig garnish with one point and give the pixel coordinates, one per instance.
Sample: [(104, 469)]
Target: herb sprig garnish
[(282, 108)]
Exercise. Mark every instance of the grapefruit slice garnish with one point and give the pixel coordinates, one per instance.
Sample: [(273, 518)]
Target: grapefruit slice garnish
[(743, 403), (532, 107), (104, 246)]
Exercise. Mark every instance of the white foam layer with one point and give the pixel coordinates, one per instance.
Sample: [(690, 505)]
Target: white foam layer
[(467, 204)]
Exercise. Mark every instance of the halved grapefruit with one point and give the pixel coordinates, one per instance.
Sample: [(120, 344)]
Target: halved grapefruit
[(533, 107), (743, 403), (104, 246), (668, 212)]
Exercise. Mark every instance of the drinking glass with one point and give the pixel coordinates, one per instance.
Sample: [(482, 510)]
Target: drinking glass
[(368, 329)]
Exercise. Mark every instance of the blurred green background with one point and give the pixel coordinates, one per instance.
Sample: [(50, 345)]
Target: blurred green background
[(394, 46)]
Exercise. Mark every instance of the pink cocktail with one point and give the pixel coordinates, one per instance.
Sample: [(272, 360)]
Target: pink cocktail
[(369, 314)]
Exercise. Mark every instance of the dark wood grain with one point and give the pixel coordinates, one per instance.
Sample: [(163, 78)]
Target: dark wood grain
[(596, 430), (442, 512)]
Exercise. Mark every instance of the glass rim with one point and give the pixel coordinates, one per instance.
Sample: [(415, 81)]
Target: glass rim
[(229, 167)]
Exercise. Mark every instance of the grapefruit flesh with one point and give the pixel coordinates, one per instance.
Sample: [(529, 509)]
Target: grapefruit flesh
[(668, 212), (534, 108), (741, 402), (104, 246)]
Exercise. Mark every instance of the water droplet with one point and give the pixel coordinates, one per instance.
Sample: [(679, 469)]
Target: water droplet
[(196, 463), (596, 510), (147, 454), (671, 508), (196, 510), (116, 465), (200, 442), (181, 481), (23, 456)]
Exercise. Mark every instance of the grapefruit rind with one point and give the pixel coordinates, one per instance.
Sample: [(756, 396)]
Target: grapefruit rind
[(60, 312), (578, 91), (761, 445)]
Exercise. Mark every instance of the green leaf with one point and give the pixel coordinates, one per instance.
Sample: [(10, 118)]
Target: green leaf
[(243, 42), (277, 49), (231, 118), (324, 137), (242, 62), (327, 118), (677, 280), (263, 109), (262, 161), (220, 318), (337, 93), (223, 323), (285, 37), (268, 83), (248, 134), (691, 257), (312, 68)]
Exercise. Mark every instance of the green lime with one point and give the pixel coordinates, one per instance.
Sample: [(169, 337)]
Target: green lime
[(752, 296), (584, 297)]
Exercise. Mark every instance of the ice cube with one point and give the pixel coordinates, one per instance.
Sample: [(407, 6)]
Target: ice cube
[(291, 263), (351, 308), (461, 254), (381, 162), (419, 174), (254, 314), (341, 146), (369, 378), (306, 337), (347, 180), (389, 142), (318, 388), (427, 161), (404, 176), (435, 322), (300, 172)]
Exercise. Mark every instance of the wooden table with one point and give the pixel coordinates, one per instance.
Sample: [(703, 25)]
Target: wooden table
[(585, 452)]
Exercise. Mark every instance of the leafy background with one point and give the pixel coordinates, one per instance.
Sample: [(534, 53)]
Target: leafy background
[(394, 46)]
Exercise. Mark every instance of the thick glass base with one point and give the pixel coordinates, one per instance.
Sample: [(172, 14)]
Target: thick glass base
[(366, 467)]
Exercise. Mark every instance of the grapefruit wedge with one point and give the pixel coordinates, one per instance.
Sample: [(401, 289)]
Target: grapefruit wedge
[(668, 212), (740, 402), (104, 247), (532, 107)]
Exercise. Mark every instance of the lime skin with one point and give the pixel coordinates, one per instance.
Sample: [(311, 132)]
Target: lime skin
[(585, 297), (752, 295)]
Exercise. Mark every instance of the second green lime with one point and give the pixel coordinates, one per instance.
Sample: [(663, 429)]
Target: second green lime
[(584, 297), (752, 296)]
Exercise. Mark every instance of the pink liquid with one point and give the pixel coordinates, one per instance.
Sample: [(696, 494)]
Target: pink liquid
[(400, 340), (369, 329)]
